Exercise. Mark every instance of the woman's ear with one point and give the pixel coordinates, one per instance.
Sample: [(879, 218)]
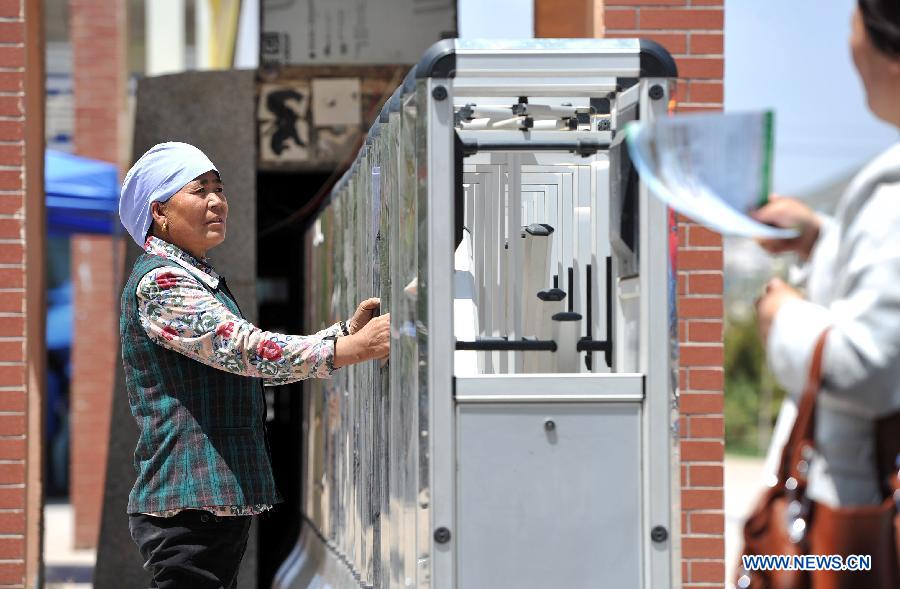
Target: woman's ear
[(159, 224), (158, 212)]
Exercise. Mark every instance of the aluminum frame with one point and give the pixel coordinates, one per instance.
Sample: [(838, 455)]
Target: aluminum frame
[(394, 525)]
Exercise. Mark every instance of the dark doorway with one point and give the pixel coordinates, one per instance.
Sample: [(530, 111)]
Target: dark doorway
[(280, 196)]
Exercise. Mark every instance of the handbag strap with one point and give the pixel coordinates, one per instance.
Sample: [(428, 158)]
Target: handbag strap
[(803, 433)]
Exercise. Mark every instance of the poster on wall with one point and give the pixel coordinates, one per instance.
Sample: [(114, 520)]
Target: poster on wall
[(313, 123), (336, 116), (346, 32), (283, 122), (336, 102)]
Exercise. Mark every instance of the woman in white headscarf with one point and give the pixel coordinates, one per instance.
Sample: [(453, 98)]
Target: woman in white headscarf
[(851, 288), (193, 368)]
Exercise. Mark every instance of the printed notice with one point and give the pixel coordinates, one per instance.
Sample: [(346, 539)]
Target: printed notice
[(353, 31), (714, 168), (336, 102)]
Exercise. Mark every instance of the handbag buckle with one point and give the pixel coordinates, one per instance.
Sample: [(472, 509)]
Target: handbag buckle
[(796, 515), (797, 511)]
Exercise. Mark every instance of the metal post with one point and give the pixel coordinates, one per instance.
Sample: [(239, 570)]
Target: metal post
[(165, 36)]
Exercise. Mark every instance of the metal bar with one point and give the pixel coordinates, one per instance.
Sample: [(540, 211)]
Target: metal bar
[(593, 345), (623, 398), (583, 147), (439, 181), (514, 269), (503, 345), (609, 311), (589, 308), (661, 504), (501, 283)]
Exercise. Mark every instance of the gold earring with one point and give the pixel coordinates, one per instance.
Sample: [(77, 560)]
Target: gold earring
[(165, 226)]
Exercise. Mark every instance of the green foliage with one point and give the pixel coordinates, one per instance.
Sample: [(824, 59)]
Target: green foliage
[(751, 395)]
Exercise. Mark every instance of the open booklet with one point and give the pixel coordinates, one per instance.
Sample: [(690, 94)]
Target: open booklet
[(713, 168)]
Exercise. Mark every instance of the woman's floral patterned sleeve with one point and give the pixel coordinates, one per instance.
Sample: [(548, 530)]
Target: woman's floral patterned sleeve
[(178, 313), (331, 330)]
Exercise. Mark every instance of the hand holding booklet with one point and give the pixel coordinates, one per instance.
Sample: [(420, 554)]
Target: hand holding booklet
[(713, 168)]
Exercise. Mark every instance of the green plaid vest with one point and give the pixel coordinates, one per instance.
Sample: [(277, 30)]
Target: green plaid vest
[(202, 431)]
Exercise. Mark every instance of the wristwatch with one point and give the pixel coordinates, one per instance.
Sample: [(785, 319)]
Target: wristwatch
[(344, 329)]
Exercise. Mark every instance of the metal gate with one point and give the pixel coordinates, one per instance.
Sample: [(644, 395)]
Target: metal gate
[(524, 431)]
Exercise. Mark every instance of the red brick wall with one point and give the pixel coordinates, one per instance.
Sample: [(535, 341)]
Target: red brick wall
[(98, 70), (692, 30), (13, 316)]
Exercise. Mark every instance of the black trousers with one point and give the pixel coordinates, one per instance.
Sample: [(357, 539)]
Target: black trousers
[(191, 550)]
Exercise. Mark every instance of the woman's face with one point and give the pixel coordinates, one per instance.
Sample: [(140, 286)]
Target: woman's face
[(195, 216), (880, 73)]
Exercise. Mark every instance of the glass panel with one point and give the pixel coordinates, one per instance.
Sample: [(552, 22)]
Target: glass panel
[(363, 474)]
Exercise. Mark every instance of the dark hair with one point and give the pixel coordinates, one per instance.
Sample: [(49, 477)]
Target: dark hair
[(882, 21)]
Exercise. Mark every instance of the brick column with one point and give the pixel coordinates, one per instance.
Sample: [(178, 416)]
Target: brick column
[(21, 299), (692, 31), (568, 18), (94, 356), (98, 30)]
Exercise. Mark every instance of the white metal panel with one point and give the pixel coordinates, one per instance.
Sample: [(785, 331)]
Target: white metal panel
[(545, 505), (550, 387)]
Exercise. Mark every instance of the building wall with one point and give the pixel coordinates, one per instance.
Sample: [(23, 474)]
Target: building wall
[(692, 31), (98, 29)]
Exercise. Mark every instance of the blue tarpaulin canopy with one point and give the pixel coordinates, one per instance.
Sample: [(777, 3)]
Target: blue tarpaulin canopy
[(82, 194)]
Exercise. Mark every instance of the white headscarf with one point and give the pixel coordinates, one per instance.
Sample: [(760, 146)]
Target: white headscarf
[(156, 176)]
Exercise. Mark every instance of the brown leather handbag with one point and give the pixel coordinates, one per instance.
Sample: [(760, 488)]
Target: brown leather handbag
[(786, 522)]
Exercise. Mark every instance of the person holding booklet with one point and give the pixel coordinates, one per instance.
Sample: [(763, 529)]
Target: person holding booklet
[(851, 295), (853, 272)]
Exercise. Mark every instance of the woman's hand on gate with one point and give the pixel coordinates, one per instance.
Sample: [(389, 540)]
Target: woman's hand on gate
[(364, 313), (372, 342)]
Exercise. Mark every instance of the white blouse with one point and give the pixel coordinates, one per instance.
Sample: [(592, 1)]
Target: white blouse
[(853, 285)]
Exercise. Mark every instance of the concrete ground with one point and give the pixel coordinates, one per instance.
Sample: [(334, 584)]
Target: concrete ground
[(743, 481), (64, 566), (68, 568)]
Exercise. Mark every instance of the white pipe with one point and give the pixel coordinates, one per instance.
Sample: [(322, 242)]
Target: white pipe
[(246, 51), (566, 333), (514, 276), (165, 34), (202, 34)]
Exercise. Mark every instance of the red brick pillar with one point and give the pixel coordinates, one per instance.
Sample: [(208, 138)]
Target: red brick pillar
[(692, 31), (567, 19), (98, 30), (13, 383), (21, 289), (94, 356)]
